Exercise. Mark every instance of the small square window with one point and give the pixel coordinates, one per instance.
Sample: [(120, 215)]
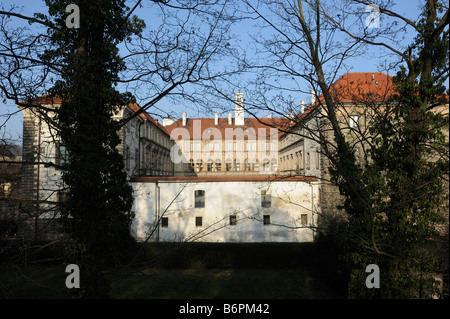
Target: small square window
[(266, 219), (165, 222), (62, 197), (304, 219), (353, 121), (198, 221), (233, 220)]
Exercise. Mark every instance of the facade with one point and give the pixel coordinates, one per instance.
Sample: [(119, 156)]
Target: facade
[(145, 146), (226, 209), (233, 146), (233, 179), (226, 185), (359, 97)]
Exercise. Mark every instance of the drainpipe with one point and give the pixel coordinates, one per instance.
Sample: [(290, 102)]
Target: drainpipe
[(312, 209), (37, 182), (157, 198), (138, 159)]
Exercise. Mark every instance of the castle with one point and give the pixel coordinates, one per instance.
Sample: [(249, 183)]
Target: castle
[(232, 179)]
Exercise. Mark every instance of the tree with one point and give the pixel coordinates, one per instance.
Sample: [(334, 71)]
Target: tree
[(407, 152), (83, 67), (97, 214)]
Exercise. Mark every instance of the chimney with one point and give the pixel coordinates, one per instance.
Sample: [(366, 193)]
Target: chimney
[(216, 118), (269, 116), (230, 121), (184, 118), (302, 107), (313, 96)]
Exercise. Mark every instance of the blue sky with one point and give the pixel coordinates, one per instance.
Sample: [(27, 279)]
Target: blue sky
[(13, 127)]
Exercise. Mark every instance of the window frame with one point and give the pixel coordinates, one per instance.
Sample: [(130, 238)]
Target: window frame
[(199, 198), (164, 222), (266, 199)]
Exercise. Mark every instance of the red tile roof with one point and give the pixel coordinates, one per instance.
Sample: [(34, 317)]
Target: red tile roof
[(355, 87), (362, 86), (226, 178)]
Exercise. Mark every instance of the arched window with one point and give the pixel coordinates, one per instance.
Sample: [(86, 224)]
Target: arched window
[(236, 165), (247, 166), (199, 165), (228, 165), (209, 165), (273, 165), (217, 165), (266, 163), (256, 166)]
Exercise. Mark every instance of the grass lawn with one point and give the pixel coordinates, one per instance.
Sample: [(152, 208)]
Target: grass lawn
[(207, 274), (49, 282)]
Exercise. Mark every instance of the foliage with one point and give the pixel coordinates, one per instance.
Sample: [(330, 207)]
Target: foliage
[(394, 202), (97, 214)]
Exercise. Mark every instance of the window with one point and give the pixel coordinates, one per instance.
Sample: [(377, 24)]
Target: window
[(209, 165), (266, 219), (199, 198), (247, 166), (304, 219), (265, 198), (256, 166), (236, 165), (307, 161), (61, 154), (192, 165), (199, 165), (228, 164), (266, 163), (218, 165), (198, 221), (62, 197), (353, 121), (300, 159), (165, 222), (317, 159), (233, 220), (273, 165)]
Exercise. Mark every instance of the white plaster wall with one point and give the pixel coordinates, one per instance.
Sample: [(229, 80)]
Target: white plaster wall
[(222, 199)]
